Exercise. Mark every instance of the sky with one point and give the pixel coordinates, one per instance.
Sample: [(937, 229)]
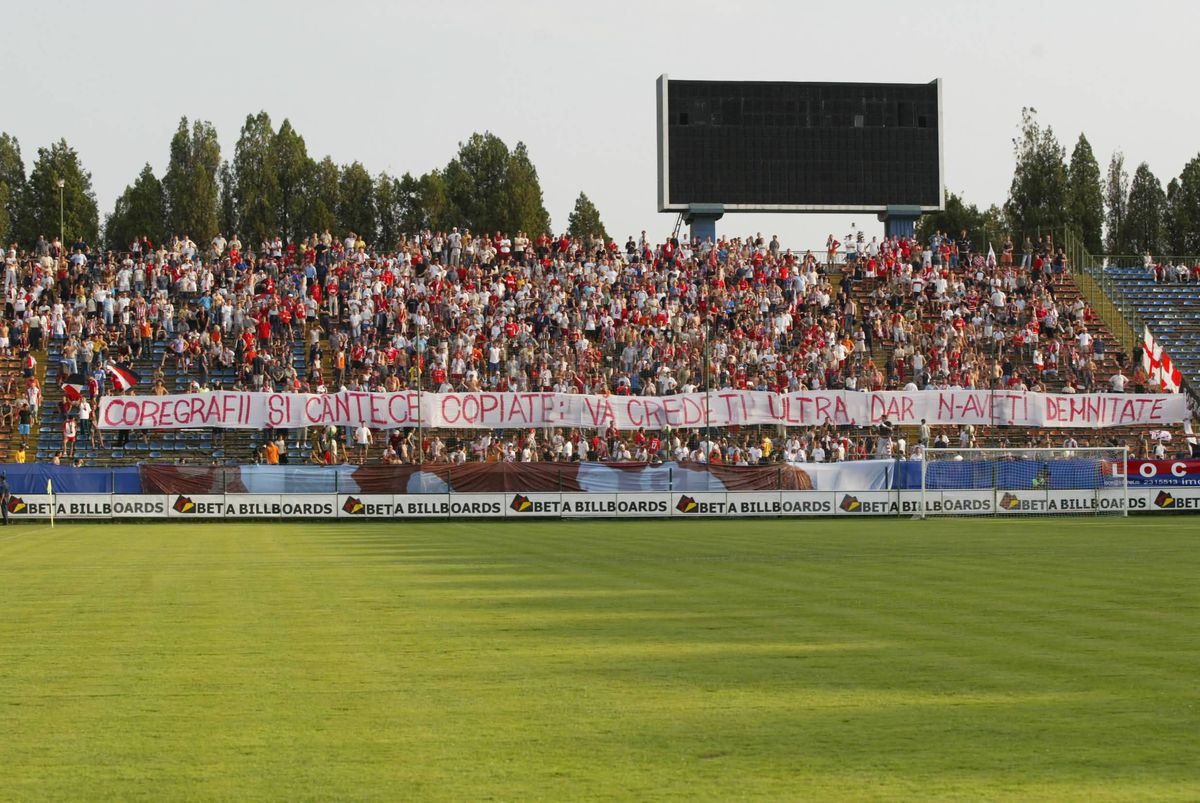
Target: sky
[(397, 85)]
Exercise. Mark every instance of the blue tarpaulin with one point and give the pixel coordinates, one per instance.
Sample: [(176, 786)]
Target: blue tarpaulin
[(30, 478)]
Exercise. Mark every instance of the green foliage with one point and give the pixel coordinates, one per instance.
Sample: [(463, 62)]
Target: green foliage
[(986, 227), (1146, 212), (289, 159), (1183, 211), (526, 210), (388, 210), (1037, 198), (227, 203), (191, 183), (12, 188), (476, 183), (140, 212), (584, 221), (356, 207), (256, 184), (957, 215), (322, 198), (491, 188), (39, 214), (1085, 195), (1116, 199)]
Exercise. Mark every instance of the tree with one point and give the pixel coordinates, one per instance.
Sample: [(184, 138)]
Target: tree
[(1085, 195), (356, 210), (227, 203), (388, 210), (39, 214), (289, 157), (477, 183), (191, 183), (256, 184), (1147, 208), (1116, 199), (526, 211), (139, 212), (1183, 211), (956, 216), (12, 188), (584, 221), (1037, 199), (322, 198), (424, 203)]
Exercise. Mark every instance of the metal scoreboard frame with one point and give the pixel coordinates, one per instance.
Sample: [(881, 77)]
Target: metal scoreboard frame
[(715, 206)]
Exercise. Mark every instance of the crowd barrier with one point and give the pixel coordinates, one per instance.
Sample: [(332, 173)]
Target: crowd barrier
[(532, 505), (857, 475)]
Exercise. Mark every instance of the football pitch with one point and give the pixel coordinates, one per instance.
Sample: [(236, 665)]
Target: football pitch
[(713, 660)]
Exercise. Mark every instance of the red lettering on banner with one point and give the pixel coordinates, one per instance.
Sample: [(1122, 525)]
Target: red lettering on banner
[(472, 409), (671, 411), (197, 408), (149, 414), (226, 413), (131, 421), (488, 403), (601, 410), (451, 420), (378, 413), (822, 408), (634, 412), (414, 407), (840, 414), (275, 410), (235, 409), (972, 406), (945, 410), (398, 408), (653, 413), (517, 411), (314, 407)]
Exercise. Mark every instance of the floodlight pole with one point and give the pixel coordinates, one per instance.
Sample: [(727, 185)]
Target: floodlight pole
[(420, 384), (706, 332)]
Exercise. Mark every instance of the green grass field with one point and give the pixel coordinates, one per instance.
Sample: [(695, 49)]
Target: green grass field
[(775, 660)]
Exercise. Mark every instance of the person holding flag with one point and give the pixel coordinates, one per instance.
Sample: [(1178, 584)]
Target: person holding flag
[(122, 376), (1158, 365)]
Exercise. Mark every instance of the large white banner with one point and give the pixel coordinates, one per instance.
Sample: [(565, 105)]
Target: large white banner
[(248, 410)]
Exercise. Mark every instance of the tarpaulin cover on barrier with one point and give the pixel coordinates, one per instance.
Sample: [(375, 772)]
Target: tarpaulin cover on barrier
[(30, 478), (1009, 474), (505, 477)]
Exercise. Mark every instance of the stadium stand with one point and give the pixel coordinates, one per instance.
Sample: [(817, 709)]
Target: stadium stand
[(452, 311), (1167, 299)]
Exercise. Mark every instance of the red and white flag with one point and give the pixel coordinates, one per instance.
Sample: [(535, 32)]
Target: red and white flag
[(1158, 366), (123, 378)]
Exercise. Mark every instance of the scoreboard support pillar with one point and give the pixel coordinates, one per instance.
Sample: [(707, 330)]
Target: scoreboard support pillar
[(702, 220), (900, 221)]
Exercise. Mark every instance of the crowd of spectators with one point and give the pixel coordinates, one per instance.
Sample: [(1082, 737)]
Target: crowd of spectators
[(469, 311)]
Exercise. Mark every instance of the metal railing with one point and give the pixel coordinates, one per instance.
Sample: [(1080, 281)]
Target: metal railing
[(1108, 297)]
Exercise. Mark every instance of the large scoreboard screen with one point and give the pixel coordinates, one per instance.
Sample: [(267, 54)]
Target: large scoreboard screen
[(769, 146)]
